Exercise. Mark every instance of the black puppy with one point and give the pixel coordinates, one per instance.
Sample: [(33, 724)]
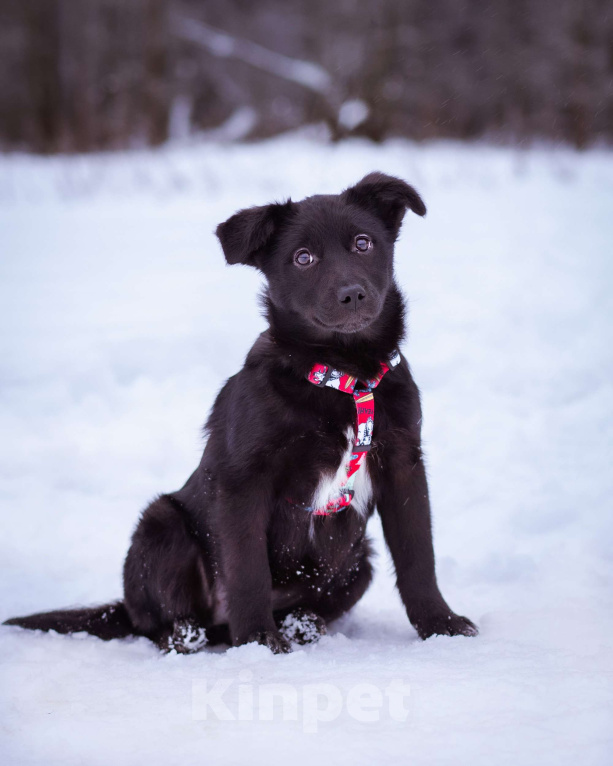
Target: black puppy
[(266, 541)]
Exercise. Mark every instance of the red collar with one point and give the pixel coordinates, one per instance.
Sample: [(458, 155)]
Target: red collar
[(323, 375)]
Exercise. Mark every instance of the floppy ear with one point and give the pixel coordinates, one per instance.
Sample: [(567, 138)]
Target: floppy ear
[(387, 197), (248, 232)]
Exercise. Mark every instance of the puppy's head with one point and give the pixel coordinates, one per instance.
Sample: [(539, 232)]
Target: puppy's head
[(328, 259)]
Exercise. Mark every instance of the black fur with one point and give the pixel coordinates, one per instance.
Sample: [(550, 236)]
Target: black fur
[(232, 551)]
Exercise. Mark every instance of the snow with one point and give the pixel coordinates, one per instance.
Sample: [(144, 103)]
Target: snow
[(120, 324)]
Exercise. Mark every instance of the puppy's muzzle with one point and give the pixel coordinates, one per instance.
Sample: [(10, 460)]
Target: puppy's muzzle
[(352, 296)]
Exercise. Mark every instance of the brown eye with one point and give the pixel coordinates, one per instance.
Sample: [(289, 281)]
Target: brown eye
[(303, 258), (363, 243)]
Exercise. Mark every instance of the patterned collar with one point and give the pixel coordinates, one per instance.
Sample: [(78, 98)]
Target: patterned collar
[(323, 375)]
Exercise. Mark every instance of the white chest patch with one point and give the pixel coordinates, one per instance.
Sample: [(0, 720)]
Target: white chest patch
[(329, 484)]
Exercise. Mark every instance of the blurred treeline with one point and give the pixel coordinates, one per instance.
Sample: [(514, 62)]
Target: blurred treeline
[(81, 75)]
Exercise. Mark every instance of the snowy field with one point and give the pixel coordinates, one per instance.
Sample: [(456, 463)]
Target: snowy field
[(120, 323)]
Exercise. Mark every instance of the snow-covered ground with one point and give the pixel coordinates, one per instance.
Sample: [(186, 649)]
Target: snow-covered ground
[(119, 324)]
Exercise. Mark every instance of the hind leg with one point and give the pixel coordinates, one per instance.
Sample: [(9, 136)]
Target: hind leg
[(187, 637), (301, 626), (164, 580), (306, 622), (345, 590)]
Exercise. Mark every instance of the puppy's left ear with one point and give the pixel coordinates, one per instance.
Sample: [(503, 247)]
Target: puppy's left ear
[(247, 233), (387, 197)]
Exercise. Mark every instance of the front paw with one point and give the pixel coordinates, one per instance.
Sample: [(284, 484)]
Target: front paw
[(272, 639), (444, 624)]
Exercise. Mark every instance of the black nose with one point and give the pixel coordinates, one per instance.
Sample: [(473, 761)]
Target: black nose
[(351, 296)]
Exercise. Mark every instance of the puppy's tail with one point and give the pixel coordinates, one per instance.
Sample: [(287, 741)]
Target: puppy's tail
[(107, 621)]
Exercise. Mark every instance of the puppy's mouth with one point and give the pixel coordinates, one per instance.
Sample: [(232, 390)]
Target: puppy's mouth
[(350, 325)]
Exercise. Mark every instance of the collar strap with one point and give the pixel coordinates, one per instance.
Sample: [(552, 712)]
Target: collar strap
[(322, 375)]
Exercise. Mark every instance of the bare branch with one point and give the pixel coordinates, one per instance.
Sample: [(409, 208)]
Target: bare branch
[(305, 73)]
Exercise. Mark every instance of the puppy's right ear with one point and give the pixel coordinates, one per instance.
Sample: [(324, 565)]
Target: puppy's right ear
[(247, 233)]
